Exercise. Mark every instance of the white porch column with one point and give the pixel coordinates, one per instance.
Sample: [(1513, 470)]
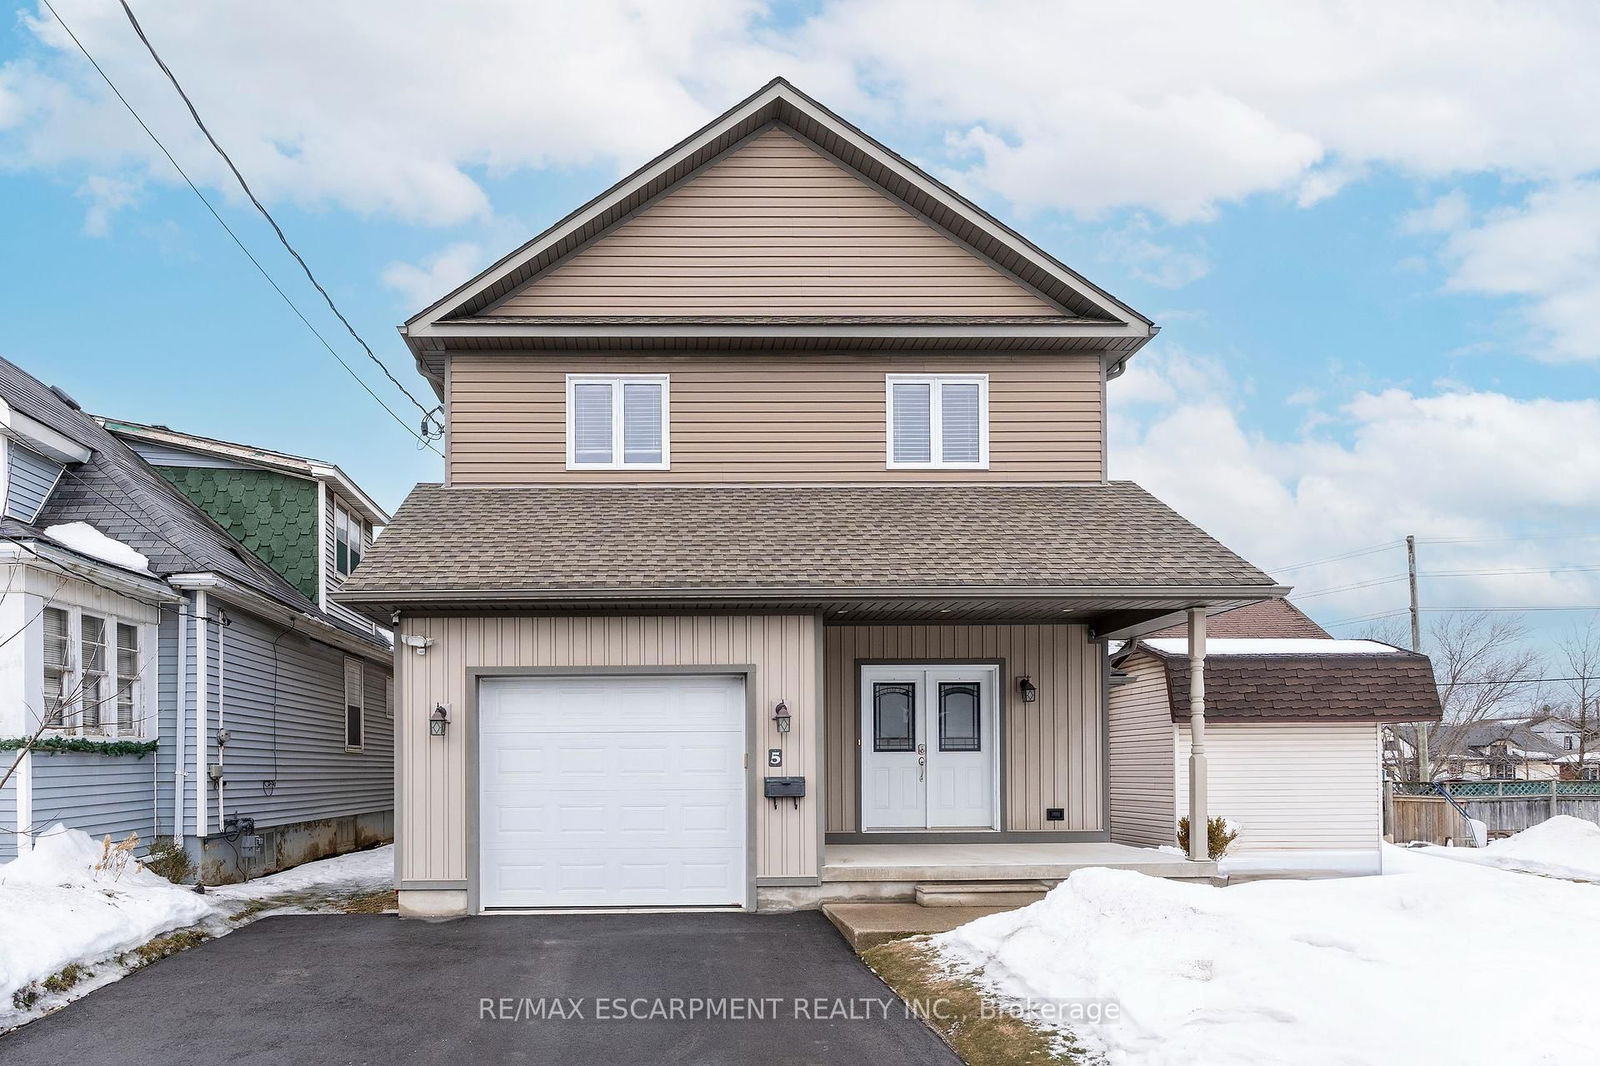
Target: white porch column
[(1198, 836)]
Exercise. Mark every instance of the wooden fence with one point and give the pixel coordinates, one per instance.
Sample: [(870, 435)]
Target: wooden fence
[(1506, 807)]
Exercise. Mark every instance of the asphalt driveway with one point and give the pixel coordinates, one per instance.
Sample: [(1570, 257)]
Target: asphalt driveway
[(614, 989)]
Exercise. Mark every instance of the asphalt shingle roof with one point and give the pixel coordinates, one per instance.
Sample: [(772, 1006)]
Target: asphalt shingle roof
[(1393, 686), (549, 539)]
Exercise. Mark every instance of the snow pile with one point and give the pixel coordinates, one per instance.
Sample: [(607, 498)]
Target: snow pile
[(1272, 646), (83, 538), (56, 908), (1564, 847), (361, 871), (1358, 970)]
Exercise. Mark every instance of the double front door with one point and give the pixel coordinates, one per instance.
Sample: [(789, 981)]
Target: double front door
[(929, 747)]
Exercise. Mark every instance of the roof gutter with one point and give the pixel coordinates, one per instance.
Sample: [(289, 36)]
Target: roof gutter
[(74, 564), (239, 596)]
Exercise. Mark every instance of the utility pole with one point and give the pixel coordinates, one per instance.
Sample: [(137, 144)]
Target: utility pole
[(1424, 769)]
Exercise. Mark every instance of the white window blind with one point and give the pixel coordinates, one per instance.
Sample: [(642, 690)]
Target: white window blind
[(57, 649), (94, 671), (354, 699), (938, 421), (127, 677), (617, 420)]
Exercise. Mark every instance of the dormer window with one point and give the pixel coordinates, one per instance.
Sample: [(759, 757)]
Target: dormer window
[(349, 535), (938, 421), (617, 422), (30, 477)]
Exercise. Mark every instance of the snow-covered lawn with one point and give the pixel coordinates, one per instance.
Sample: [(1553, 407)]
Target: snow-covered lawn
[(1563, 847), (61, 907), (1424, 964)]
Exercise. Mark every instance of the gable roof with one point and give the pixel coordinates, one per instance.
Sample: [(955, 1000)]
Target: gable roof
[(1088, 312), (119, 494), (249, 455), (1375, 683)]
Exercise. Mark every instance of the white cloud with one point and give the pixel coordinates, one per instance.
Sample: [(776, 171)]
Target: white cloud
[(1380, 466), (1154, 261), (438, 274), (1449, 212), (106, 196), (1546, 251), (393, 106)]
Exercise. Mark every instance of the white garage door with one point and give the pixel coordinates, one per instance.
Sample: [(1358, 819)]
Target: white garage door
[(611, 791)]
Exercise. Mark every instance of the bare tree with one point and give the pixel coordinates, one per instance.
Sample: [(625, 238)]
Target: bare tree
[(1578, 654)]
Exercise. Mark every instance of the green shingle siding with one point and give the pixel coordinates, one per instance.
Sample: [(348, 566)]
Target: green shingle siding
[(274, 515)]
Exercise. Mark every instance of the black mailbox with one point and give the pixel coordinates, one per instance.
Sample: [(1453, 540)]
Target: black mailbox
[(785, 787)]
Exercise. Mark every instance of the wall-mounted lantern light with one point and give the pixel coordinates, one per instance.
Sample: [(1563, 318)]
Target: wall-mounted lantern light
[(781, 717), (439, 720), (1027, 689)]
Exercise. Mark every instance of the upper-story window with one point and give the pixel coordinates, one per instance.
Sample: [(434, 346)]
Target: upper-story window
[(349, 535), (617, 422), (93, 674), (938, 421)]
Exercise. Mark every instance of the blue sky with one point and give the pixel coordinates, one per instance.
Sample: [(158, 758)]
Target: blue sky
[(1372, 236)]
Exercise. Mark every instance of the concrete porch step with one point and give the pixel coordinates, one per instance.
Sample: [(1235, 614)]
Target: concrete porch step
[(981, 893), (866, 925)]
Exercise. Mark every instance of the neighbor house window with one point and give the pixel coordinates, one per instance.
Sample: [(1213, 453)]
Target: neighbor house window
[(938, 421), (354, 703), (349, 534), (1569, 742), (617, 421), (92, 684), (93, 675), (57, 666)]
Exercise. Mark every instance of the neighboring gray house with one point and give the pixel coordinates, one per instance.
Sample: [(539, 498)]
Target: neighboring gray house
[(130, 554)]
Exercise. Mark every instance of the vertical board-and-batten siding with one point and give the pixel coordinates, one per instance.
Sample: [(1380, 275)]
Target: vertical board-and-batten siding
[(1143, 782), (282, 703), (432, 795), (759, 417), (1052, 755), (29, 479), (774, 228), (1314, 786)]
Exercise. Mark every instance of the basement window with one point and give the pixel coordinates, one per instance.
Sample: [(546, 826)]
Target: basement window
[(937, 422), (617, 422)]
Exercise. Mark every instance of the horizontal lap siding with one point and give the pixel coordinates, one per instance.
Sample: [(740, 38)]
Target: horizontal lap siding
[(1292, 785), (8, 812), (1052, 750), (99, 794), (1143, 797), (283, 708), (773, 418), (432, 794), (773, 228)]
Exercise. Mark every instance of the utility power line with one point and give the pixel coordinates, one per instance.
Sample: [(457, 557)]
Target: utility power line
[(1356, 553), (229, 230), (427, 413), (1488, 572)]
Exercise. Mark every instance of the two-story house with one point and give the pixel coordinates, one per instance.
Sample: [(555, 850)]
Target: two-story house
[(169, 661), (776, 559)]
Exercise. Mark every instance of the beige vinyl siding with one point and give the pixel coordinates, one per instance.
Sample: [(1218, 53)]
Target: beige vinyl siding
[(432, 802), (1051, 756), (774, 228), (1293, 786), (1143, 796), (760, 417)]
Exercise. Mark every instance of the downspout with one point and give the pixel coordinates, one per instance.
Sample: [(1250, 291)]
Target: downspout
[(222, 703), (181, 740), (201, 707), (1199, 834)]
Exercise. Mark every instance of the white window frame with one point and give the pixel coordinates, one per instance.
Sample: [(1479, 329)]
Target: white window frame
[(936, 383), (616, 381), (360, 703), (72, 678), (346, 522)]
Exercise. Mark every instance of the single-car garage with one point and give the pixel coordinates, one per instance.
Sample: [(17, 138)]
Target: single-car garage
[(612, 790)]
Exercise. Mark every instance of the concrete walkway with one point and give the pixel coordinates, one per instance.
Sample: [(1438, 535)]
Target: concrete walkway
[(535, 989)]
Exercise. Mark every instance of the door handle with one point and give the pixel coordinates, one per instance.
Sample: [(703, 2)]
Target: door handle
[(922, 762)]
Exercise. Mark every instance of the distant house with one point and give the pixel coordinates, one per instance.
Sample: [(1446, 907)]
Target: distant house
[(1292, 735), (1541, 747), (132, 554)]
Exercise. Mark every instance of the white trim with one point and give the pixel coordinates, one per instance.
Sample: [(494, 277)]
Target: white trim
[(180, 726), (44, 439), (615, 382), (936, 383), (324, 546), (255, 603), (201, 723)]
